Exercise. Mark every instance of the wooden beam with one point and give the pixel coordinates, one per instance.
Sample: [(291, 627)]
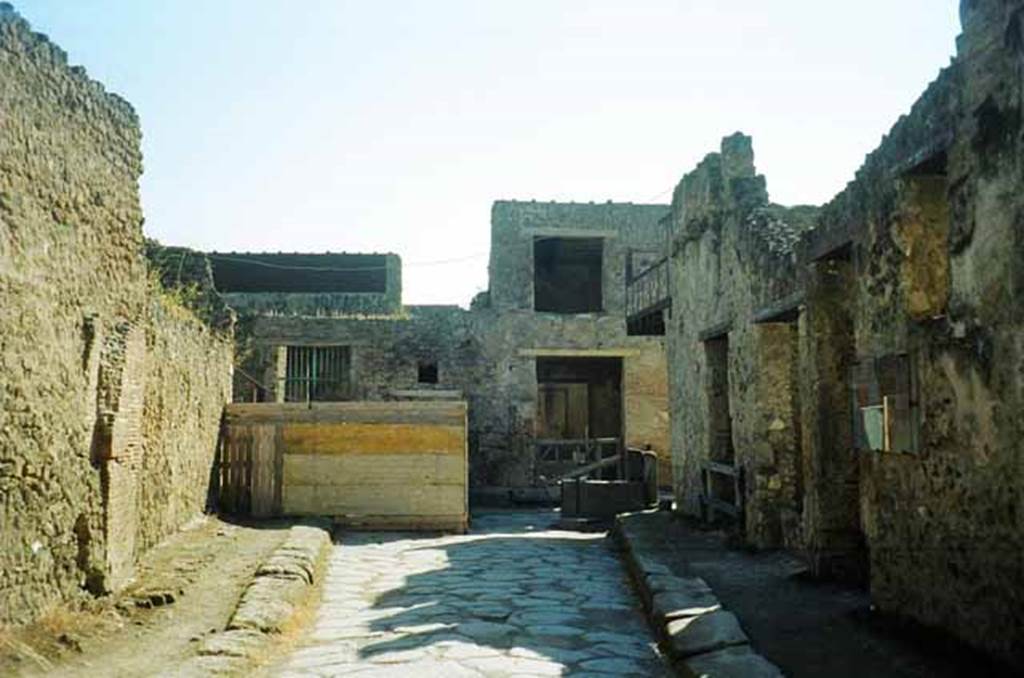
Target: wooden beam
[(715, 331)]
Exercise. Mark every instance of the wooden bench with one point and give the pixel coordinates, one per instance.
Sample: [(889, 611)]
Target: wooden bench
[(711, 503)]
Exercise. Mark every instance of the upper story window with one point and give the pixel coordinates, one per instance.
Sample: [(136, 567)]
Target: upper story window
[(567, 274)]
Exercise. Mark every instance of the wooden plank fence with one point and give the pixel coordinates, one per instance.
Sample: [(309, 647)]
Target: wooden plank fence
[(380, 464)]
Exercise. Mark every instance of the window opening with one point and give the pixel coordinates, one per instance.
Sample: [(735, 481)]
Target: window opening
[(320, 373), (427, 373), (885, 405), (567, 274)]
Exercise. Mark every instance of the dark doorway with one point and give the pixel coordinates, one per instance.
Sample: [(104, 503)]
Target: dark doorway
[(716, 351), (579, 412), (579, 397)]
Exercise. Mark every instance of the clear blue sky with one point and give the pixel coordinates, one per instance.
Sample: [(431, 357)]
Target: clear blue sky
[(392, 125)]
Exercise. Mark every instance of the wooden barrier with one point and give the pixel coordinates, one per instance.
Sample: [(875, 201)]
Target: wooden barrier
[(378, 465)]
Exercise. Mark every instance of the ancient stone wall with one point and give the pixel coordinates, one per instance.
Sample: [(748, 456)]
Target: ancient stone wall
[(71, 279), (917, 263), (936, 218), (386, 351), (489, 353), (342, 281), (188, 373), (513, 334), (84, 355), (732, 258), (515, 225)]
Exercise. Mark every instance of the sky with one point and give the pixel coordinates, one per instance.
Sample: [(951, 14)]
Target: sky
[(392, 125)]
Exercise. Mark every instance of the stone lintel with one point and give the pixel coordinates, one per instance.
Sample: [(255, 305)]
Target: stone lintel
[(578, 352), (782, 310), (554, 232), (716, 330)]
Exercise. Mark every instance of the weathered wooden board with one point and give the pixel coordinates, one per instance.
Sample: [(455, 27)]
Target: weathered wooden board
[(372, 439), (380, 465), (263, 470), (377, 412)]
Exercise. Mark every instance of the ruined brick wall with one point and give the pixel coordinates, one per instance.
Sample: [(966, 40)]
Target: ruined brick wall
[(75, 366), (936, 221), (732, 257)]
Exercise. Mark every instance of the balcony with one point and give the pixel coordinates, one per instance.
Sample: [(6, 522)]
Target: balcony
[(648, 293)]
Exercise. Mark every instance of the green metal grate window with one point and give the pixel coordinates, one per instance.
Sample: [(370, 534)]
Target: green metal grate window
[(318, 373)]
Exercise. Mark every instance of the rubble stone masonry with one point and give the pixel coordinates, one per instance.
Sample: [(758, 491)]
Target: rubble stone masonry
[(110, 392), (918, 264), (489, 352)]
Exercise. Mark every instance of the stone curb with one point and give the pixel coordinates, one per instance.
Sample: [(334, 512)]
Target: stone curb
[(701, 638), (267, 604)]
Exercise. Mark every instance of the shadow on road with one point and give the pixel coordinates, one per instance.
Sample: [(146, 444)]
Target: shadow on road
[(514, 596)]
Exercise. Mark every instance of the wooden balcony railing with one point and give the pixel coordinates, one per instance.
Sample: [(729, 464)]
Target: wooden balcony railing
[(648, 291)]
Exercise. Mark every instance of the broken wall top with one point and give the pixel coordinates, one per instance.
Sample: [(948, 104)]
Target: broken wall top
[(17, 37)]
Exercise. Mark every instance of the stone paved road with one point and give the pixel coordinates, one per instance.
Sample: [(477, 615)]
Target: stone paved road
[(515, 597)]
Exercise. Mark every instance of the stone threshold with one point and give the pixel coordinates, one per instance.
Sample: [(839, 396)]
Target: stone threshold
[(698, 635)]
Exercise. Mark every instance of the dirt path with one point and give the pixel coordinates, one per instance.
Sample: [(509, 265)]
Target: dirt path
[(185, 589)]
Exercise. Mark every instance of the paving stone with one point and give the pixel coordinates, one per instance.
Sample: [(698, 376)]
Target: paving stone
[(487, 631), (504, 600), (648, 567), (613, 637), (657, 583), (616, 666), (398, 656), (516, 665), (607, 607), (731, 662), (631, 650), (555, 630), (466, 650), (542, 618), (558, 654), (704, 633)]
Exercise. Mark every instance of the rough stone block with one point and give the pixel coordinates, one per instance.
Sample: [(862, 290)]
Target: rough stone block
[(704, 633), (658, 583), (237, 643), (669, 605), (732, 662), (647, 566)]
